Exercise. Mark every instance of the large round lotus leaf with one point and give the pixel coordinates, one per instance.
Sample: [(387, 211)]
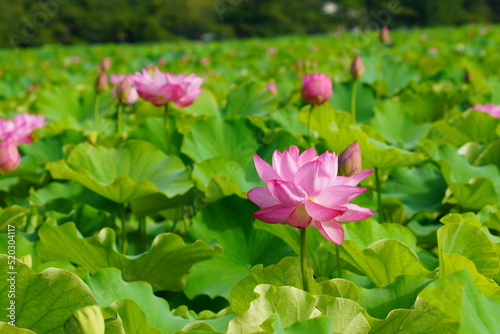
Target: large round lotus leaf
[(133, 170)]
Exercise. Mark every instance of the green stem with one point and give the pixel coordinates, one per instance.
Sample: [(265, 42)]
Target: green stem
[(124, 231), (119, 121), (379, 197), (96, 110), (142, 236), (169, 145), (337, 251), (309, 121), (353, 100), (303, 259)]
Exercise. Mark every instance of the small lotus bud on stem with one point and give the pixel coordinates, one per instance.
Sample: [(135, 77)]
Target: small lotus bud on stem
[(385, 36), (101, 83), (357, 68), (316, 89), (105, 64)]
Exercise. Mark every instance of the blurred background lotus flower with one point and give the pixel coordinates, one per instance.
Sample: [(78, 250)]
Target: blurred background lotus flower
[(316, 89), (357, 68), (101, 83), (18, 130), (385, 35), (350, 160), (161, 88), (272, 88), (304, 189), (493, 110), (9, 156), (124, 90), (105, 64)]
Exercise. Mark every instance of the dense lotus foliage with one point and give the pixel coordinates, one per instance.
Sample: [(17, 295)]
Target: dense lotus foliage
[(132, 219)]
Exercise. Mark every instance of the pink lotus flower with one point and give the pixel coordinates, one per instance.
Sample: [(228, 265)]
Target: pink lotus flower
[(9, 156), (18, 130), (304, 189), (162, 88), (124, 90), (272, 88), (493, 110), (316, 88)]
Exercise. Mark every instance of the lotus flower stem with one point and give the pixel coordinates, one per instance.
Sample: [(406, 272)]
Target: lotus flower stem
[(124, 232), (353, 100), (97, 102), (309, 120), (119, 121), (142, 236), (379, 197), (303, 259), (169, 145), (337, 252)]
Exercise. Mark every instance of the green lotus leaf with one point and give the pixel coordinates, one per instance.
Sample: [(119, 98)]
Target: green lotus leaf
[(291, 304), (205, 104), (250, 99), (13, 216), (134, 170), (365, 99), (348, 316), (321, 324), (473, 187), (395, 123), (472, 243), (233, 137), (397, 75), (10, 329), (219, 177), (471, 126), (133, 319), (244, 246), (490, 155), (324, 119), (419, 188), (402, 293), (111, 290), (424, 318), (51, 148), (452, 263), (375, 153), (43, 301), (165, 266), (366, 232), (457, 297)]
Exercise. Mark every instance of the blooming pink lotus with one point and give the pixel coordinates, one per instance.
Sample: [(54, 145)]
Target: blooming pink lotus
[(9, 156), (18, 130), (124, 90), (493, 110), (304, 189), (316, 89), (161, 88)]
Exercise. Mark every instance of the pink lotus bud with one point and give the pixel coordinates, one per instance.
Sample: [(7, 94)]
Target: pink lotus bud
[(357, 68), (125, 91), (101, 83), (105, 64), (205, 61), (350, 160), (385, 36), (272, 88), (185, 58), (9, 156), (272, 51), (316, 89)]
